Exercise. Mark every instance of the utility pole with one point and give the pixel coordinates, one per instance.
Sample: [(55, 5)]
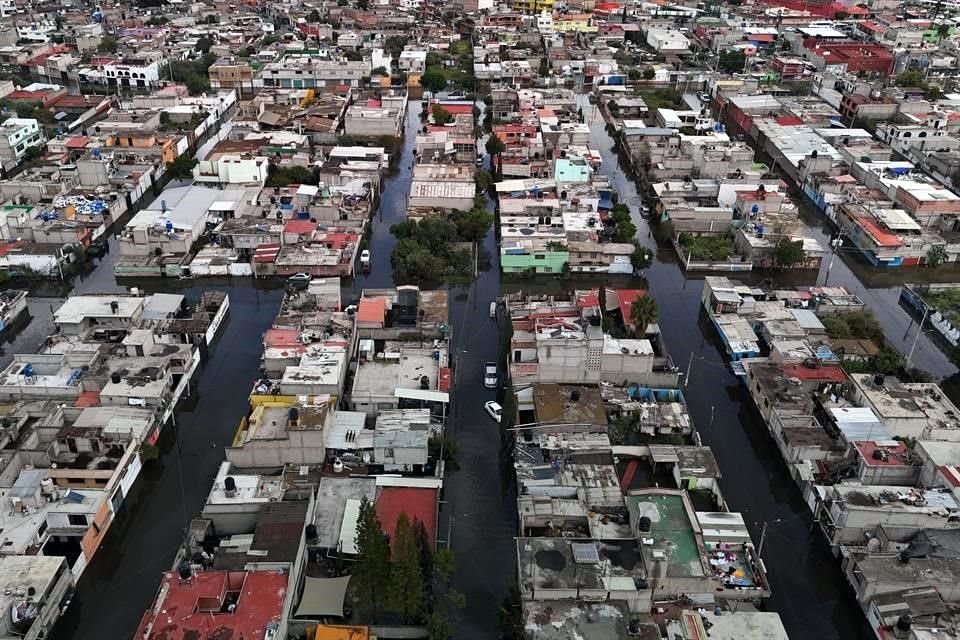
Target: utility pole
[(686, 377), (763, 538), (916, 338)]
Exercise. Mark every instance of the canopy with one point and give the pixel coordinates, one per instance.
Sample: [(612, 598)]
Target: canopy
[(323, 597)]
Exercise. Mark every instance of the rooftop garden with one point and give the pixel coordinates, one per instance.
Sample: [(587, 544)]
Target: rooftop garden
[(708, 248)]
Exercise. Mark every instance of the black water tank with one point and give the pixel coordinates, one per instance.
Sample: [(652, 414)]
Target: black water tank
[(114, 306), (904, 622), (424, 382), (575, 395), (229, 484), (293, 414), (184, 570), (311, 532), (878, 379), (115, 378), (643, 524)]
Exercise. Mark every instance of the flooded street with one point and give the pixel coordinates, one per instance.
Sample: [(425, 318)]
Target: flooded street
[(478, 513)]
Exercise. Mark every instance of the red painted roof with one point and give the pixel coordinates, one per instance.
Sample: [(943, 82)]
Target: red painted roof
[(191, 609), (443, 382), (627, 296), (789, 121), (27, 96), (77, 142), (589, 300), (338, 240), (300, 227), (372, 310), (882, 238), (87, 399), (828, 373), (456, 108), (867, 447), (951, 474), (281, 338), (417, 502), (266, 252)]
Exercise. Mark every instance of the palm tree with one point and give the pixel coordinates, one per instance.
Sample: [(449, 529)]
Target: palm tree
[(943, 31), (643, 313), (495, 147)]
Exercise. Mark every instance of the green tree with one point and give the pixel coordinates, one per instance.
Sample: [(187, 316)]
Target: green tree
[(943, 31), (108, 44), (649, 73), (445, 598), (182, 167), (732, 60), (886, 361), (484, 180), (936, 256), (380, 71), (440, 115), (544, 69), (313, 16), (157, 21), (33, 153), (197, 84), (204, 44), (433, 80), (640, 258), (788, 252), (643, 313), (363, 5), (911, 78), (394, 45), (371, 572), (473, 225), (407, 582), (495, 146)]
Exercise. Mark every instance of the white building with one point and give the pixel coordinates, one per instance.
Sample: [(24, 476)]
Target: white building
[(667, 40), (16, 136), (231, 169), (139, 73), (413, 61), (545, 22)]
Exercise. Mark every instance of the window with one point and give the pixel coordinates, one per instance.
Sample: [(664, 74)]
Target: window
[(540, 256), (922, 134), (77, 520)]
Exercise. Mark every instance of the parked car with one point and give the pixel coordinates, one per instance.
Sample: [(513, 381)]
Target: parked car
[(493, 309), (704, 97), (494, 409), (299, 280), (490, 375), (365, 259)]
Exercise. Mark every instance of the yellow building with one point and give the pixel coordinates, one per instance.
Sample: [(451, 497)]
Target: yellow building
[(580, 22), (531, 6)]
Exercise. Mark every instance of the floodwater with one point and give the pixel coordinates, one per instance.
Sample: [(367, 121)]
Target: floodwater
[(478, 512)]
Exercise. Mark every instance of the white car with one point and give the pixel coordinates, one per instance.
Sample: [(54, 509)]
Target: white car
[(490, 375), (365, 258), (493, 409)]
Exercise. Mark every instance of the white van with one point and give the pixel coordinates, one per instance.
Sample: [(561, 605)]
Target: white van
[(493, 309)]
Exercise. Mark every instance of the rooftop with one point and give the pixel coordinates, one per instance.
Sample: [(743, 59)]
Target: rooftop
[(216, 604)]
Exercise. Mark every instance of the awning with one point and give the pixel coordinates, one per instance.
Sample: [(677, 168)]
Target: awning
[(422, 394), (322, 597)]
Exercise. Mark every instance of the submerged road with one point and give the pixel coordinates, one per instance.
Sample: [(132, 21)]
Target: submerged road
[(809, 591), (478, 516), (123, 578)]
